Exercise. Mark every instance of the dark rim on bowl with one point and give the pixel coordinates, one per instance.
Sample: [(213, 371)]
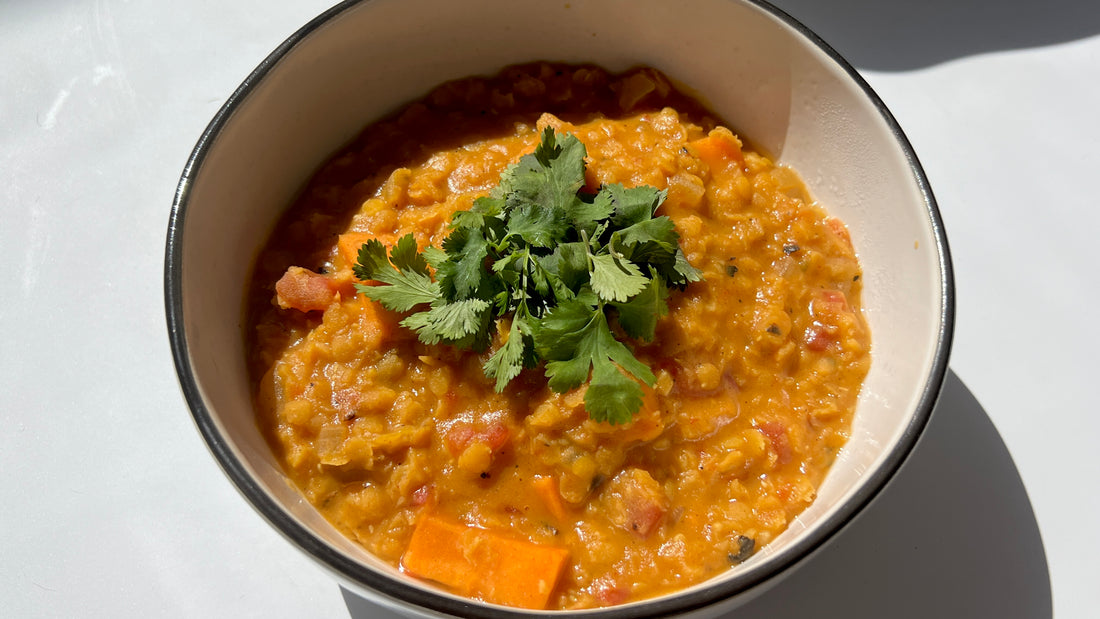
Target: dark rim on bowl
[(406, 594)]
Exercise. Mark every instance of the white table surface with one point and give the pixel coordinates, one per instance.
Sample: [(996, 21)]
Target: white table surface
[(111, 505)]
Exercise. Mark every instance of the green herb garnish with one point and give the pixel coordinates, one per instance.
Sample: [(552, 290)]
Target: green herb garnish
[(561, 263)]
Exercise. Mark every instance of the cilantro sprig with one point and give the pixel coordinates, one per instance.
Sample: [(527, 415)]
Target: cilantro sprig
[(554, 265)]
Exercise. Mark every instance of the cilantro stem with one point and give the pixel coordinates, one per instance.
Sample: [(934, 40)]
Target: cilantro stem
[(588, 251)]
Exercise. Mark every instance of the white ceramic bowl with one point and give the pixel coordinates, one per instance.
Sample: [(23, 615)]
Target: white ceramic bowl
[(771, 78)]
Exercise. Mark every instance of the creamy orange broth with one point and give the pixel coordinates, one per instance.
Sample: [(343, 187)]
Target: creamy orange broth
[(758, 366)]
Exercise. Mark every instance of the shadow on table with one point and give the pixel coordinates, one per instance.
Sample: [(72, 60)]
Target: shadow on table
[(953, 535), (898, 35)]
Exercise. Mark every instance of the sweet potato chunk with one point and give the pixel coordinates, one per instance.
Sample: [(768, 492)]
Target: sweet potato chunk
[(719, 149), (484, 564), (548, 489)]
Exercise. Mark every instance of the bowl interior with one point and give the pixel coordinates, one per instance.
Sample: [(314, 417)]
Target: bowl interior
[(762, 74)]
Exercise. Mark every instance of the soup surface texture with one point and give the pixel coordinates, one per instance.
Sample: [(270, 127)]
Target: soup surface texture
[(519, 497)]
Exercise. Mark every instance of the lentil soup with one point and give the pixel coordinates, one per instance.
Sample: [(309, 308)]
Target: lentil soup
[(519, 497)]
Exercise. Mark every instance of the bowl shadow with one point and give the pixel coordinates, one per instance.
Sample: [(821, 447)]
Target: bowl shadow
[(894, 35), (953, 535)]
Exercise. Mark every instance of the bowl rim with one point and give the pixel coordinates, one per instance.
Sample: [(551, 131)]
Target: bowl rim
[(406, 594)]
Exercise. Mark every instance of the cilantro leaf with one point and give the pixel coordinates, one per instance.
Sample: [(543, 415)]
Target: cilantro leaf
[(635, 204), (406, 257), (658, 230), (612, 396), (538, 225), (483, 208), (448, 321), (464, 271), (434, 256), (585, 215), (508, 360), (638, 316), (373, 263), (557, 336), (573, 353), (407, 288), (538, 277), (549, 177), (570, 263), (679, 272), (467, 220), (614, 279), (558, 262)]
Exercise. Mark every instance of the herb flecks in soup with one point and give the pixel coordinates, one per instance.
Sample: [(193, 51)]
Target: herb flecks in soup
[(518, 496)]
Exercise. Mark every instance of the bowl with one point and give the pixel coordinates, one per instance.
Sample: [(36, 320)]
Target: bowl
[(767, 75)]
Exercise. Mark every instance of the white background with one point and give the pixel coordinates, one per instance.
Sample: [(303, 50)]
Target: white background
[(110, 505)]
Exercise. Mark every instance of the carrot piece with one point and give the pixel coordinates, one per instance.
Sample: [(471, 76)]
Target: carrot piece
[(376, 324), (548, 491), (484, 564), (437, 552), (349, 245), (718, 149)]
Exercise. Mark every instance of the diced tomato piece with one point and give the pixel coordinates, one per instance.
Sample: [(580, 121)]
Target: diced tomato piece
[(496, 436), (610, 593), (817, 338), (423, 495), (826, 307), (840, 230), (777, 435), (829, 303), (644, 515), (636, 502), (783, 492), (304, 290), (458, 437), (461, 435)]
